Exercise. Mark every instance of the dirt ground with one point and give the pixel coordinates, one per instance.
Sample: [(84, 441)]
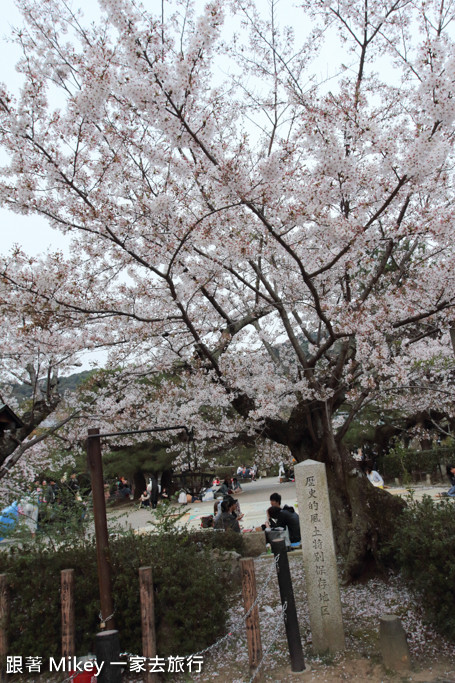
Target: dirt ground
[(362, 605), (431, 655)]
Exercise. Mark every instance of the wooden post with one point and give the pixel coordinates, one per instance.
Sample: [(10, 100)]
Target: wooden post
[(4, 616), (102, 539), (147, 618), (68, 624), (253, 633)]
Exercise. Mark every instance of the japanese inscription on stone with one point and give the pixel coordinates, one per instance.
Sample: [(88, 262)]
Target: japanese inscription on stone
[(319, 557)]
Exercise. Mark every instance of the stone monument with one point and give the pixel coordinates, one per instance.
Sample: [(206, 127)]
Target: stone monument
[(319, 559)]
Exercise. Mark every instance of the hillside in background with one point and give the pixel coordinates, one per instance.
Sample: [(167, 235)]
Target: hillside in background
[(23, 392)]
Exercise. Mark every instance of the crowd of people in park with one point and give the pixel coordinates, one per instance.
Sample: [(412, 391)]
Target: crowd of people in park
[(44, 497), (48, 500), (121, 489), (227, 514), (244, 472), (231, 484)]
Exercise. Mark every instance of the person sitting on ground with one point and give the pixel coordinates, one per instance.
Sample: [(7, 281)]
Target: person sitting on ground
[(451, 474), (286, 520), (123, 488), (227, 520), (236, 486), (225, 488), (164, 493), (145, 499), (275, 501), (374, 477), (229, 499), (192, 499)]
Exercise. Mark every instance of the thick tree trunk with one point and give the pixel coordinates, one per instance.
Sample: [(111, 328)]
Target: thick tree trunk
[(363, 517)]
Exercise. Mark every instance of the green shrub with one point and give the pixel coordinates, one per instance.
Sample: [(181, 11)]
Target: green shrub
[(424, 549), (223, 541), (394, 463), (403, 462), (190, 597)]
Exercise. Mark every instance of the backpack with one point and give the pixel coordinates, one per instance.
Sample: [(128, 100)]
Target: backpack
[(207, 522)]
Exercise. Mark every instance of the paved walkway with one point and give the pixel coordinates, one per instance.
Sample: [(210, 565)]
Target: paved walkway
[(254, 501)]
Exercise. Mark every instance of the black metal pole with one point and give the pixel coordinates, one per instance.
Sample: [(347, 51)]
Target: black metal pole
[(107, 650), (287, 598), (102, 539)]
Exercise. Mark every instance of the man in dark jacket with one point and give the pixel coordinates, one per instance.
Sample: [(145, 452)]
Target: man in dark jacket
[(287, 520), (275, 501)]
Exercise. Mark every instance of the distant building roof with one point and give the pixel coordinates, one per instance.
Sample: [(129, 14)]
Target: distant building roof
[(8, 418)]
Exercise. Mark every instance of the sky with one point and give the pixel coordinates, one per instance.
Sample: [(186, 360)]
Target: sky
[(31, 232)]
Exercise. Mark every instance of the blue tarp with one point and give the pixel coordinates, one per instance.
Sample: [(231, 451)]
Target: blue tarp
[(8, 520)]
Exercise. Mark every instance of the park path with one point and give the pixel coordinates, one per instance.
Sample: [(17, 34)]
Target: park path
[(254, 501)]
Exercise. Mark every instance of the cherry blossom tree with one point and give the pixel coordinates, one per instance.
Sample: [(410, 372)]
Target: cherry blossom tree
[(280, 241), (37, 348)]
